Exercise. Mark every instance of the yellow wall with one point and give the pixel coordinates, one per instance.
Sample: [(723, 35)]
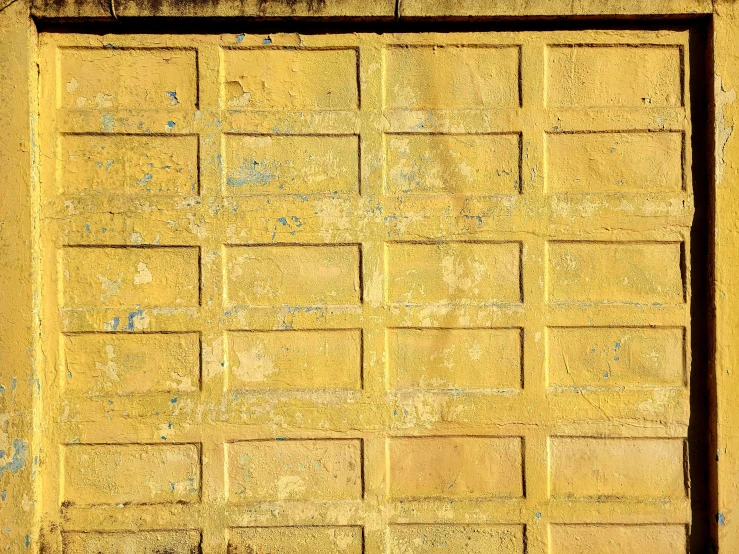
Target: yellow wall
[(404, 293)]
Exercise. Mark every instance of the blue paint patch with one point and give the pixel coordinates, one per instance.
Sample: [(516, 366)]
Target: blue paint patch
[(538, 515), (164, 438), (720, 519), (268, 40), (87, 227), (282, 220), (251, 172), (145, 179), (13, 383), (28, 541), (169, 425), (116, 323), (3, 495), (107, 120), (20, 453), (606, 375), (173, 97), (173, 400), (132, 316), (280, 438), (240, 38), (476, 218), (170, 124)]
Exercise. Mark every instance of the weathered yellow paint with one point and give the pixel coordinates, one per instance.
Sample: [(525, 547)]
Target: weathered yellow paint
[(301, 292), (618, 539), (726, 158), (362, 293), (296, 540)]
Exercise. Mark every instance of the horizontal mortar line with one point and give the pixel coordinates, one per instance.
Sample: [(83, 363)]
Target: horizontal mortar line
[(467, 510), (607, 425)]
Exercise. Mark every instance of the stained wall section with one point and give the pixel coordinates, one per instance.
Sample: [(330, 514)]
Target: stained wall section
[(378, 293)]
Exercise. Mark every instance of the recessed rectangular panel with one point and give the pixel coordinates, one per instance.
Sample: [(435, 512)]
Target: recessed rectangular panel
[(121, 277), (452, 164), (125, 542), (639, 162), (456, 539), (479, 272), (321, 469), (292, 164), (128, 78), (123, 364), (131, 473), (293, 275), (455, 467), (638, 75), (451, 77), (128, 164), (291, 79), (294, 360), (618, 468), (618, 539), (296, 540), (613, 272), (454, 358), (616, 356)]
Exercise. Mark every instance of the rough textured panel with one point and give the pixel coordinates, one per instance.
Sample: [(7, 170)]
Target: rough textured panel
[(71, 8), (142, 542), (454, 272), (309, 9), (108, 363), (317, 408), (256, 8), (614, 162), (454, 358), (453, 164), (618, 539), (270, 79), (130, 276), (455, 467), (294, 470), (614, 357), (19, 348), (319, 359), (472, 539), (643, 75), (131, 473), (423, 77), (725, 284), (296, 275), (518, 8), (296, 540), (128, 164), (586, 467), (615, 272), (110, 79), (292, 164)]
